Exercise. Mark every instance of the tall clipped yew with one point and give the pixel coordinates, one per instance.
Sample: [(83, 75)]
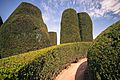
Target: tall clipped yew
[(69, 27), (85, 26), (104, 54), (23, 31), (53, 38)]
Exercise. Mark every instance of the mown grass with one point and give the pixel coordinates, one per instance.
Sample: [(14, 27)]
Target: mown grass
[(42, 64)]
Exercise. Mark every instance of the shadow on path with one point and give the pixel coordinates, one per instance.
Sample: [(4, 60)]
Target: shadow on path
[(70, 72), (82, 72)]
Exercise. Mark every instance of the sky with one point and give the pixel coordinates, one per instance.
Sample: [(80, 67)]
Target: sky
[(102, 12)]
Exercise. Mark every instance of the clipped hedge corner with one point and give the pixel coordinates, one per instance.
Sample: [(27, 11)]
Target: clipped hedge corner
[(69, 27), (104, 54), (85, 26), (43, 64), (53, 38), (23, 31)]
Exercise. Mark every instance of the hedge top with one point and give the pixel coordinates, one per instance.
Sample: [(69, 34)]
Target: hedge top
[(104, 54), (115, 27), (52, 32), (84, 13), (69, 10), (27, 9), (69, 14)]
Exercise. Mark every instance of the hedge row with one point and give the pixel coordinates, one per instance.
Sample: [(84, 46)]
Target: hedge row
[(1, 22), (69, 27), (23, 31), (44, 64), (104, 54), (85, 25), (53, 38)]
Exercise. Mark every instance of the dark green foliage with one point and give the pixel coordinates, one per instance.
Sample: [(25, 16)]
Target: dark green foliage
[(27, 9), (104, 54), (43, 64), (69, 27), (53, 38), (85, 25), (1, 22), (23, 31)]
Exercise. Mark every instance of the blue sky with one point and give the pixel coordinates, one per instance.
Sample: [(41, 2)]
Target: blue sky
[(103, 12)]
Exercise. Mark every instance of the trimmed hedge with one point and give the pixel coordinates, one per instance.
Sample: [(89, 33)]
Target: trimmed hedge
[(69, 27), (23, 31), (85, 26), (53, 38), (104, 54), (27, 9), (44, 64), (1, 22)]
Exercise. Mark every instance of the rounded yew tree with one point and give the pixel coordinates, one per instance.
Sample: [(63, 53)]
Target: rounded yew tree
[(23, 31), (69, 27), (85, 26), (104, 54)]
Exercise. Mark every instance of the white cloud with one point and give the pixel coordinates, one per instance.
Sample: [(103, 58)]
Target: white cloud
[(45, 7), (99, 8), (111, 5)]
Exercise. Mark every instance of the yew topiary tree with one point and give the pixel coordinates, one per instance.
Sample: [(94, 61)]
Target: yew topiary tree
[(53, 38), (85, 26), (69, 27), (1, 22), (23, 31), (104, 54)]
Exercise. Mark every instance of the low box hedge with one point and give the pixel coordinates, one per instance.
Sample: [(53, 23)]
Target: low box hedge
[(44, 64)]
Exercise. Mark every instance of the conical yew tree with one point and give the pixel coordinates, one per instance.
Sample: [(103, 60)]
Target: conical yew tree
[(23, 31)]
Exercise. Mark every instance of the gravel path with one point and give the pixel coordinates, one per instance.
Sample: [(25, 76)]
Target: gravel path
[(74, 72)]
